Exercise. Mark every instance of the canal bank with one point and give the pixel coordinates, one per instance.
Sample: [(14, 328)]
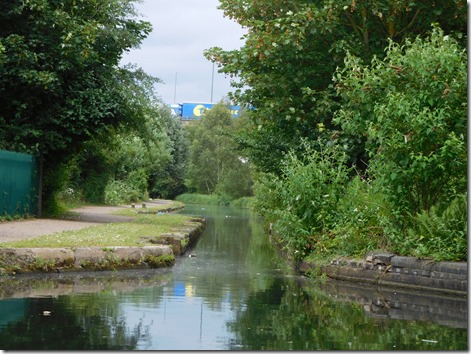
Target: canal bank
[(387, 269), (235, 294), (155, 249)]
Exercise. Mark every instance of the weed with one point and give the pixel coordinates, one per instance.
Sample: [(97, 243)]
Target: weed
[(159, 261), (43, 265)]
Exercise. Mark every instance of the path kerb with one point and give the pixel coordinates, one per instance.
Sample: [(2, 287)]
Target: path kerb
[(83, 258), (159, 252)]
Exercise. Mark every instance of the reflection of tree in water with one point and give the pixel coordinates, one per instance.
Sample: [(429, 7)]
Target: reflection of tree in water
[(288, 317), (71, 323), (256, 324), (238, 249)]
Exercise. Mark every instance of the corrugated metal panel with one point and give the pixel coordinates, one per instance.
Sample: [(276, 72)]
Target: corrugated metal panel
[(19, 186)]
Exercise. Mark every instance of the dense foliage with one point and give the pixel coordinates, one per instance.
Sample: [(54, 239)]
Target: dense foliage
[(59, 78), (293, 47), (60, 83), (359, 122), (127, 165), (411, 110)]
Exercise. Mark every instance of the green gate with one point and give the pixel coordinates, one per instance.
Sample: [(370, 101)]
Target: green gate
[(19, 184)]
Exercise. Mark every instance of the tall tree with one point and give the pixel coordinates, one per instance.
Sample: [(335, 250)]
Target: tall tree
[(168, 181), (291, 51), (214, 164), (59, 79)]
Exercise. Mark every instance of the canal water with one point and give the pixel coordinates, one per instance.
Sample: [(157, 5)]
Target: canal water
[(234, 293)]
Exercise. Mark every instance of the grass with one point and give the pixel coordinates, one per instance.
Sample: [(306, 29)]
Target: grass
[(214, 199), (115, 234), (195, 198), (148, 210)]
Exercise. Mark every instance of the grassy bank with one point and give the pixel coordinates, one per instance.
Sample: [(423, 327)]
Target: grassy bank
[(214, 199), (134, 233)]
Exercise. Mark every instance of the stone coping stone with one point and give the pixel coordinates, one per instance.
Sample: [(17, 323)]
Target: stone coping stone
[(427, 264), (24, 259), (388, 269), (76, 259), (132, 254)]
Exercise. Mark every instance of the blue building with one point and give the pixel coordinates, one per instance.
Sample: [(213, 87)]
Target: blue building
[(194, 110)]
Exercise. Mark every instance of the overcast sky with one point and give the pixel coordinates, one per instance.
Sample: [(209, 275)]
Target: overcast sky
[(182, 30)]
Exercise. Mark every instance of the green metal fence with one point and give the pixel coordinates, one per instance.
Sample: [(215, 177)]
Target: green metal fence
[(19, 184)]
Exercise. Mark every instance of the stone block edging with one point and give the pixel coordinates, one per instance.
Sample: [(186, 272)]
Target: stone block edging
[(26, 260), (161, 253), (384, 268)]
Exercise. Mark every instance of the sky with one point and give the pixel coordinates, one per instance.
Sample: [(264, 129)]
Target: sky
[(173, 52)]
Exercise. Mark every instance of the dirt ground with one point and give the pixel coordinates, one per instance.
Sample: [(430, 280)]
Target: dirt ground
[(82, 217)]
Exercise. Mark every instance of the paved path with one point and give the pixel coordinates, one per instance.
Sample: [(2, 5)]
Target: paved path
[(82, 217)]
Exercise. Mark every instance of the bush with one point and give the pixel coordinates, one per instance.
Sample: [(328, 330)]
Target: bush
[(360, 227), (244, 202), (411, 109), (303, 202)]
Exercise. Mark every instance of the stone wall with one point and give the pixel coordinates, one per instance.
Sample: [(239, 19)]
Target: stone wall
[(388, 269), (25, 260)]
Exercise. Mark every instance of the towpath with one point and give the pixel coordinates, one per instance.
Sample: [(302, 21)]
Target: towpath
[(81, 218)]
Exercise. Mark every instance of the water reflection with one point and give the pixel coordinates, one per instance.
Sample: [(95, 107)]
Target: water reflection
[(235, 294), (307, 316)]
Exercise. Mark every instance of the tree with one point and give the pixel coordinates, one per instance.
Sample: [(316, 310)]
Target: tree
[(214, 165), (292, 48), (169, 180), (60, 84), (411, 109), (130, 165)]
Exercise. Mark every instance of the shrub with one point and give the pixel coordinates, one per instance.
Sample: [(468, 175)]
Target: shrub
[(120, 192), (411, 110), (362, 215), (303, 202), (244, 202)]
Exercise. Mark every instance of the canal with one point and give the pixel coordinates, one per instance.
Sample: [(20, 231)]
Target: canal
[(233, 293)]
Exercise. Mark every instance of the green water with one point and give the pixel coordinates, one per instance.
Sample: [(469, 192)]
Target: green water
[(234, 294)]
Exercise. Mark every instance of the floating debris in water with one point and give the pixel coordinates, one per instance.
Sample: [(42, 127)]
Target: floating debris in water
[(192, 255), (46, 313), (429, 341)]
